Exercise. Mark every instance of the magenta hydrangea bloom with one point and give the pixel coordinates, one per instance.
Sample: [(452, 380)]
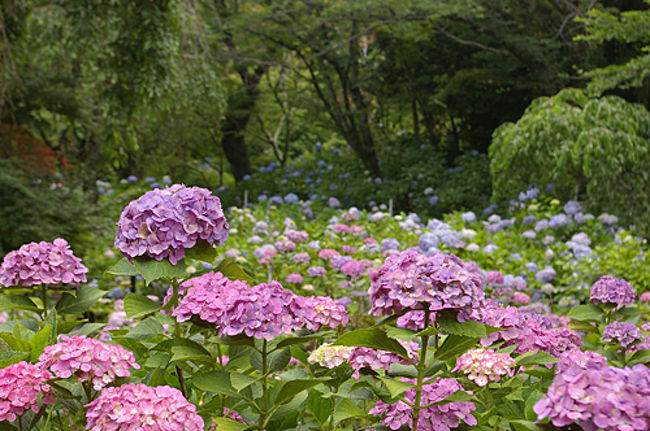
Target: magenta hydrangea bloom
[(162, 224), (613, 291), (328, 312), (354, 268), (435, 418), (42, 262), (297, 235), (294, 278), (263, 311), (623, 333), (88, 359), (411, 279), (494, 277), (483, 366), (20, 386), (328, 253), (599, 398), (576, 357), (140, 407)]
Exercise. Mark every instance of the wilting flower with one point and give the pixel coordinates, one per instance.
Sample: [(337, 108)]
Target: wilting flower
[(435, 418), (88, 359), (20, 386), (42, 263), (613, 291), (164, 223), (483, 366), (130, 407), (411, 279), (622, 332), (606, 398)]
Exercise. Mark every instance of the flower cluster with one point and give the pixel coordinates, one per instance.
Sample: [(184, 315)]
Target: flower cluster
[(435, 418), (613, 291), (20, 385), (483, 366), (411, 279), (89, 359), (42, 263), (262, 311), (131, 407), (163, 223), (622, 332), (330, 356), (581, 359), (599, 397)]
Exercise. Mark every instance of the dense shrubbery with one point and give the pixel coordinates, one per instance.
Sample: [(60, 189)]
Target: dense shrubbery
[(486, 337)]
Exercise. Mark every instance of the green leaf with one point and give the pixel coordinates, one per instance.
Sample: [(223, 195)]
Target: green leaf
[(148, 328), (346, 409), (86, 296), (139, 305), (215, 381), (525, 425), (373, 338), (202, 251), (227, 424), (293, 387), (152, 270), (318, 406), (447, 321), (12, 357), (453, 346), (17, 302), (403, 370), (299, 340), (400, 333), (187, 353), (14, 343), (638, 357), (458, 396), (229, 268), (237, 340), (39, 341), (278, 360), (88, 328), (396, 387), (241, 381), (122, 268), (539, 358), (588, 312)]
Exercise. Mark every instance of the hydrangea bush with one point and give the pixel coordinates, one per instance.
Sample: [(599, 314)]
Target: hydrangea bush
[(327, 318)]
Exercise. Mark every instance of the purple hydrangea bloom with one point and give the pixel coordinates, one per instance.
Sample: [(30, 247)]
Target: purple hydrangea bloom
[(428, 241), (529, 234), (291, 198), (605, 398), (316, 271), (410, 280), (572, 207), (559, 220), (546, 275), (434, 418), (42, 263), (541, 225), (623, 333), (613, 291), (163, 223), (529, 219), (468, 217)]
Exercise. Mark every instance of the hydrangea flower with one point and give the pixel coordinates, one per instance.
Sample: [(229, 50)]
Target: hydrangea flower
[(576, 357), (328, 312), (88, 359), (20, 386), (545, 275), (297, 235), (43, 262), (468, 217), (612, 291), (483, 366), (130, 407), (623, 333), (411, 279), (354, 268), (284, 246), (316, 271), (301, 258), (330, 356), (494, 277), (435, 418), (328, 253), (294, 278), (162, 224), (605, 398)]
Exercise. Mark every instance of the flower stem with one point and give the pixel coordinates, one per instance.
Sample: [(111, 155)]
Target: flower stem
[(44, 292), (265, 389), (421, 368), (181, 379)]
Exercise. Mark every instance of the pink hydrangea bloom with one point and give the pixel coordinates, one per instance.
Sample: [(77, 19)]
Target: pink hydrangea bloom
[(340, 228), (301, 258), (231, 414), (494, 277), (645, 297), (140, 407), (436, 418), (88, 359), (42, 262), (613, 291), (483, 366), (599, 398), (348, 249), (284, 246), (354, 268), (328, 312), (328, 253), (297, 235), (162, 224), (294, 278), (411, 279), (20, 386), (316, 271), (520, 298), (576, 357)]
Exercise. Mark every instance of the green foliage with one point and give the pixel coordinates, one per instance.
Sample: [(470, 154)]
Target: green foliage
[(596, 150)]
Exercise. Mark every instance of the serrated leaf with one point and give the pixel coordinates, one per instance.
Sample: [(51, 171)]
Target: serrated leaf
[(346, 409), (88, 328), (525, 425), (14, 343), (587, 312), (191, 353), (373, 338), (237, 340), (278, 360), (85, 297), (152, 270), (293, 387), (448, 323), (122, 268), (396, 387), (227, 424), (403, 370), (17, 302), (318, 406), (229, 268), (148, 328), (139, 305), (539, 358)]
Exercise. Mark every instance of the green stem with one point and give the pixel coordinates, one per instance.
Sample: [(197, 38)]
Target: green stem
[(20, 423), (181, 379), (265, 389), (421, 367), (44, 292)]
